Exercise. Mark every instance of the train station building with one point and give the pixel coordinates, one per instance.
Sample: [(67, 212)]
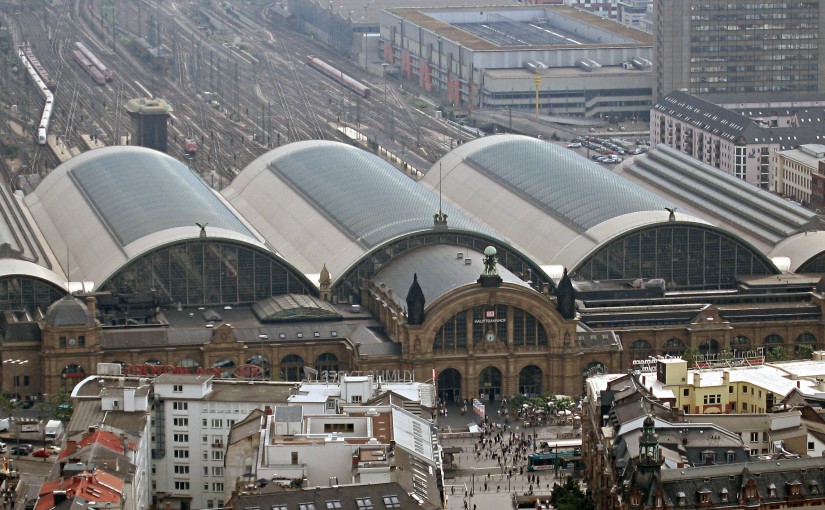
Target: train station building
[(515, 267)]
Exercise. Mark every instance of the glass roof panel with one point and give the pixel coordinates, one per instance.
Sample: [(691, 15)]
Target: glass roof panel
[(341, 181), (137, 193), (565, 185)]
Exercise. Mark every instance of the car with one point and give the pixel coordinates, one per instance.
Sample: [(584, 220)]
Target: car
[(53, 448), (22, 449), (42, 453), (25, 404), (574, 145)]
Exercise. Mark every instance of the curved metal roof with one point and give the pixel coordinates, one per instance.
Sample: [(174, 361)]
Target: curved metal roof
[(105, 207), (800, 248), (555, 205), (321, 202)]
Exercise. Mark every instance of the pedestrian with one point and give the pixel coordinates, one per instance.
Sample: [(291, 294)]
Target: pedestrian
[(485, 486)]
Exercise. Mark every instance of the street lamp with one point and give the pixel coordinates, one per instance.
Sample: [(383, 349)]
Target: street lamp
[(263, 337)]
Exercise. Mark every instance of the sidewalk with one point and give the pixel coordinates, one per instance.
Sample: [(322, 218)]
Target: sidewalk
[(474, 472)]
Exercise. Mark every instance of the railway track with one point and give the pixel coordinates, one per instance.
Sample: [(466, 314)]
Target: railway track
[(255, 103)]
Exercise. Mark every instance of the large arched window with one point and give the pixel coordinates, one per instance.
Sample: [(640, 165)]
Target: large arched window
[(292, 368), (740, 343), (326, 362), (481, 321), (773, 340), (641, 349), (22, 293), (209, 273), (686, 256), (674, 347)]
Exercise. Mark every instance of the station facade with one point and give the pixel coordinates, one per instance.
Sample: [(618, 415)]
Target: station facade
[(321, 258)]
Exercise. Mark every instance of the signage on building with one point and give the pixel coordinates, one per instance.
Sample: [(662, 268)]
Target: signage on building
[(388, 376), (157, 370)]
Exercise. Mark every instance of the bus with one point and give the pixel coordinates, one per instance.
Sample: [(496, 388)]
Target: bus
[(547, 461)]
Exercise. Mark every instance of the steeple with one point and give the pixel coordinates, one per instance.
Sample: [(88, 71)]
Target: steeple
[(415, 303)]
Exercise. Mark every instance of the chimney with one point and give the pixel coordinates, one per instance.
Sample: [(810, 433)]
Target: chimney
[(267, 411), (91, 304)]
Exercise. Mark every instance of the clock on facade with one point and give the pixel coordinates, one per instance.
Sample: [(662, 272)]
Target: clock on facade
[(73, 341), (490, 336)]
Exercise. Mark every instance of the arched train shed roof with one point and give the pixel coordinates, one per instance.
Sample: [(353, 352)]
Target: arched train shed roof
[(327, 203), (556, 205), (106, 207)]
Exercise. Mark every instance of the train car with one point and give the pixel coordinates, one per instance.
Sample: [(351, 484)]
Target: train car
[(50, 83), (100, 66), (339, 76), (190, 147), (90, 69), (45, 118)]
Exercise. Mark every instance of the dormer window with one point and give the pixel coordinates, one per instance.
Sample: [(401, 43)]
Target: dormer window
[(814, 487), (723, 496), (772, 490), (681, 498)]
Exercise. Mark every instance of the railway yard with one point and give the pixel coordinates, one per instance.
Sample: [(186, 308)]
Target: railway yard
[(235, 74)]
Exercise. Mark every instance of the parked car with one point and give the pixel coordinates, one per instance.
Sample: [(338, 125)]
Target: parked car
[(53, 448), (3, 447), (22, 449), (42, 453), (574, 145)]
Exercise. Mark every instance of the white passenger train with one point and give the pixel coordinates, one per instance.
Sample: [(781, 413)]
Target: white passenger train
[(45, 118)]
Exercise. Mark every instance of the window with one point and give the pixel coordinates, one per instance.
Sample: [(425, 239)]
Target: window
[(686, 392), (217, 487), (180, 438), (333, 504), (294, 458), (63, 341), (306, 506), (217, 454), (180, 406), (217, 470), (279, 507), (364, 503), (712, 399), (181, 485), (205, 455), (177, 388), (205, 423), (180, 422), (356, 399), (391, 502), (181, 469), (754, 437), (205, 470), (339, 427), (330, 404), (181, 454), (217, 424)]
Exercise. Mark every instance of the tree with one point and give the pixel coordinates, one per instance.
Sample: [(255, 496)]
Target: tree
[(690, 356), (805, 351), (777, 354), (569, 497)]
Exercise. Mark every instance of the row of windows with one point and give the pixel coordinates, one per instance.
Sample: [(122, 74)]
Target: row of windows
[(737, 343), (490, 322), (335, 504)]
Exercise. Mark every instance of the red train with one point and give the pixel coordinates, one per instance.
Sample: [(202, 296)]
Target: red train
[(50, 83), (190, 147), (105, 71), (90, 69), (339, 76)]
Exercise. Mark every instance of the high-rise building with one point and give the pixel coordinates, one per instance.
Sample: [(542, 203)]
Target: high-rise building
[(738, 46)]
